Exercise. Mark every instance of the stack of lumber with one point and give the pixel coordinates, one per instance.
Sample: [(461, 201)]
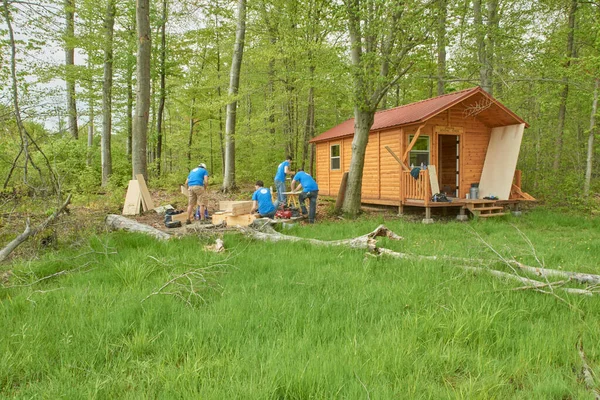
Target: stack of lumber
[(234, 213)]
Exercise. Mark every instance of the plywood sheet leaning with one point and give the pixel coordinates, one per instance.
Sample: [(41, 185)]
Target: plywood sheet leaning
[(433, 179), (501, 161), (133, 199), (147, 202)]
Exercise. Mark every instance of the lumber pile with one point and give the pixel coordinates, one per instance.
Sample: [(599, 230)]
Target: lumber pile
[(234, 213)]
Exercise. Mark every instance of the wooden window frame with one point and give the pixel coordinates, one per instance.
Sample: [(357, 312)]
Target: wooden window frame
[(428, 152), (332, 157)]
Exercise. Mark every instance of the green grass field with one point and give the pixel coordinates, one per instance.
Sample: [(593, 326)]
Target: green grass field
[(295, 321)]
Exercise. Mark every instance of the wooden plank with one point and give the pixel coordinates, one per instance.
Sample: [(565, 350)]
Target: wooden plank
[(179, 217), (228, 205), (219, 218), (241, 208), (404, 166), (433, 179), (241, 220), (133, 199), (146, 198)]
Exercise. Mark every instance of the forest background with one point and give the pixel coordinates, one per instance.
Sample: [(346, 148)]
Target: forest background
[(539, 58)]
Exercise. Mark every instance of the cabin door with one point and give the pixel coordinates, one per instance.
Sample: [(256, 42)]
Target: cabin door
[(449, 164)]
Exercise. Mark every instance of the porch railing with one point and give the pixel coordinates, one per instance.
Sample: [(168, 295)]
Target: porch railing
[(416, 189)]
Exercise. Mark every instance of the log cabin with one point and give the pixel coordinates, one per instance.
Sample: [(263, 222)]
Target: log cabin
[(449, 143)]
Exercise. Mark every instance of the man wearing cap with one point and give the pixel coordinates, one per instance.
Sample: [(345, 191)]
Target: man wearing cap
[(310, 191), (282, 170), (196, 182), (262, 201)]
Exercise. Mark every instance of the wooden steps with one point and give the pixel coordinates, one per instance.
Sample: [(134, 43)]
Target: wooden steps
[(484, 209)]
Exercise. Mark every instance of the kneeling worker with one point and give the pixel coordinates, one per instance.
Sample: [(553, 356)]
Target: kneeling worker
[(196, 183), (310, 191), (262, 201)]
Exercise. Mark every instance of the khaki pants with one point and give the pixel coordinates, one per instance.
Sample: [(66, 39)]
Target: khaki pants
[(196, 196)]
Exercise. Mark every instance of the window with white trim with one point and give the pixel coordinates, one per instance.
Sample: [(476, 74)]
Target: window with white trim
[(336, 160), (419, 154)]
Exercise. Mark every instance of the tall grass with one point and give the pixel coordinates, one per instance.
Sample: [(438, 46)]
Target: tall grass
[(294, 321)]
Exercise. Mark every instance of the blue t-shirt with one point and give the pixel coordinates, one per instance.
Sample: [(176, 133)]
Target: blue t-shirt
[(280, 175), (196, 176), (263, 197), (307, 181)]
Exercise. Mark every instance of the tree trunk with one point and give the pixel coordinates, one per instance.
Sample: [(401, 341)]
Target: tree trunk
[(90, 135), (125, 224), (129, 82), (70, 67), (481, 50), (309, 129), (590, 146), (109, 23), (191, 133), (441, 46), (162, 94), (221, 145), (363, 120), (491, 29), (142, 106), (562, 109), (234, 81)]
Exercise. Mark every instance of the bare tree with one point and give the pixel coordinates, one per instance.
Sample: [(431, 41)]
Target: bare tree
[(142, 105), (234, 81), (69, 67)]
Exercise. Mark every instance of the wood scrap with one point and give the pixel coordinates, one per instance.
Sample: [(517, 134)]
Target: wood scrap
[(122, 223), (28, 232), (218, 247)]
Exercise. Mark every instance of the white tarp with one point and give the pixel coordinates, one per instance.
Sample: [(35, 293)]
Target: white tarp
[(501, 161)]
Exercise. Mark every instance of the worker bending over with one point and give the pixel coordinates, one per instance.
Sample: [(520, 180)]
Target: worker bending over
[(310, 191), (261, 201)]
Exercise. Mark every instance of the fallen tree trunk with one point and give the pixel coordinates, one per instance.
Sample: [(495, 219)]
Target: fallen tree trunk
[(545, 273), (526, 281), (119, 222), (367, 241), (578, 277), (5, 252)]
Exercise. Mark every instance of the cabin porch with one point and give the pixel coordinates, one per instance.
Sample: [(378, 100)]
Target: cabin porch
[(418, 193)]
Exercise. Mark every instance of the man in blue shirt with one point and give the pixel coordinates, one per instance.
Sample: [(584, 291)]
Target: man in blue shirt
[(282, 170), (196, 183), (262, 201), (310, 191)]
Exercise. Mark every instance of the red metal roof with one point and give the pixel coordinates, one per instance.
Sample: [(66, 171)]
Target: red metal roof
[(412, 113)]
